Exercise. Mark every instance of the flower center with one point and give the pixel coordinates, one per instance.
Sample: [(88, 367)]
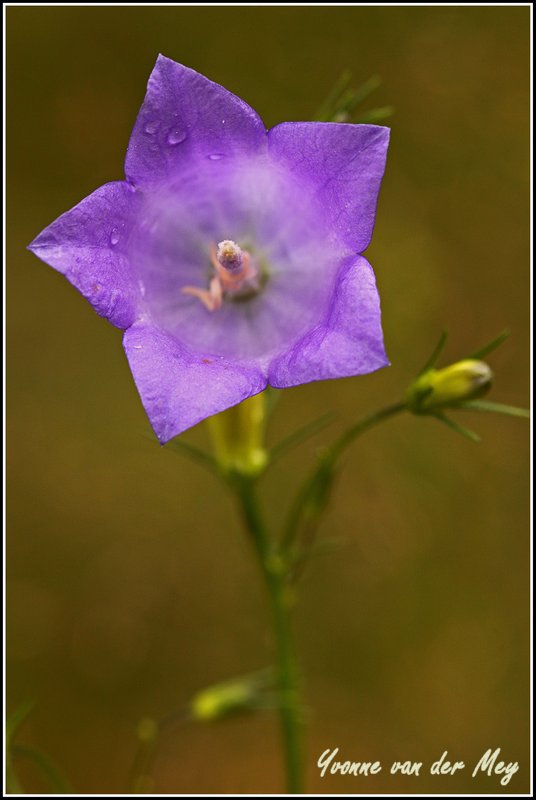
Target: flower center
[(236, 276), (230, 256)]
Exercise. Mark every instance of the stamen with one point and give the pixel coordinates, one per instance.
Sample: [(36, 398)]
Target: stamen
[(211, 298)]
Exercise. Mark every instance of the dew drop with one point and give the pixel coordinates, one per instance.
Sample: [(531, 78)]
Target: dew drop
[(151, 127), (176, 136), (114, 236), (215, 156)]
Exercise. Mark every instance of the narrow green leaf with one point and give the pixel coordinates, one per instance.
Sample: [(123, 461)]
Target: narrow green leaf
[(342, 101), (375, 115), (13, 784), (301, 435), (359, 95), (487, 348), (16, 719), (312, 497), (13, 723), (50, 771), (321, 548), (308, 505), (438, 349), (187, 449), (498, 408), (330, 104), (473, 437)]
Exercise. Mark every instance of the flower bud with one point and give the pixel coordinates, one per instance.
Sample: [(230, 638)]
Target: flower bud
[(450, 386), (223, 699)]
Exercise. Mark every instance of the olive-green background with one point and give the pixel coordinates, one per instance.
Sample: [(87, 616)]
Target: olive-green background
[(130, 584)]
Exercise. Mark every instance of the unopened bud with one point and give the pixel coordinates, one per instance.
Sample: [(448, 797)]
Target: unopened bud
[(450, 386), (223, 699)]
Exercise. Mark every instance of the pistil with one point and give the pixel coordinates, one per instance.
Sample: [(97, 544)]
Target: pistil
[(235, 273)]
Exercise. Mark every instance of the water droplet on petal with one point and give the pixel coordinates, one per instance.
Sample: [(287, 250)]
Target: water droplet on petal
[(176, 136), (215, 156), (151, 127), (114, 236)]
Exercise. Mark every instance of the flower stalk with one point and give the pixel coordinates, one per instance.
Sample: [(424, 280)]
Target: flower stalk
[(238, 444), (274, 570)]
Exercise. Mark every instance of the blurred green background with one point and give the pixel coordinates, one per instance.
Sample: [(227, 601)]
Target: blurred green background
[(130, 585)]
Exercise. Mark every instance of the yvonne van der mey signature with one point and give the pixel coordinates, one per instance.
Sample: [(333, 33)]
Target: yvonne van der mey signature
[(489, 764)]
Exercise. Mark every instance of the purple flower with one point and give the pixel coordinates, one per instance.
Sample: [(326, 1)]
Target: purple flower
[(230, 255)]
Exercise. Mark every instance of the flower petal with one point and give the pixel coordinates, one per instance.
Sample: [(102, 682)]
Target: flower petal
[(88, 245), (348, 342), (340, 163), (178, 388), (185, 114)]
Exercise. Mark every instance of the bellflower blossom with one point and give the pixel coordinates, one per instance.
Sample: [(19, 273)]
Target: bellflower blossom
[(230, 255)]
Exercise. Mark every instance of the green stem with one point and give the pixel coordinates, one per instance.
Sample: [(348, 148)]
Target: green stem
[(274, 572), (363, 425)]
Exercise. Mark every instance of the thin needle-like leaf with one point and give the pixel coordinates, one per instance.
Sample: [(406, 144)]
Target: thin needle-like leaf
[(330, 105), (300, 558), (438, 349), (312, 497), (51, 772), (498, 408), (357, 96), (15, 720), (375, 115), (187, 449), (13, 723), (473, 437), (487, 348), (301, 435)]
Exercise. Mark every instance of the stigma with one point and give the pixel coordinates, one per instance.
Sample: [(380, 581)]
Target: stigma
[(230, 256), (234, 275)]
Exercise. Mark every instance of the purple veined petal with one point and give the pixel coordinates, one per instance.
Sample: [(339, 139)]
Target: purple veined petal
[(348, 342), (89, 244), (186, 116), (179, 388), (343, 165)]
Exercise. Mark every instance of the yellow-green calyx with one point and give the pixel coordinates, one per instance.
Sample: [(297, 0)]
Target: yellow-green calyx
[(238, 437), (451, 386)]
